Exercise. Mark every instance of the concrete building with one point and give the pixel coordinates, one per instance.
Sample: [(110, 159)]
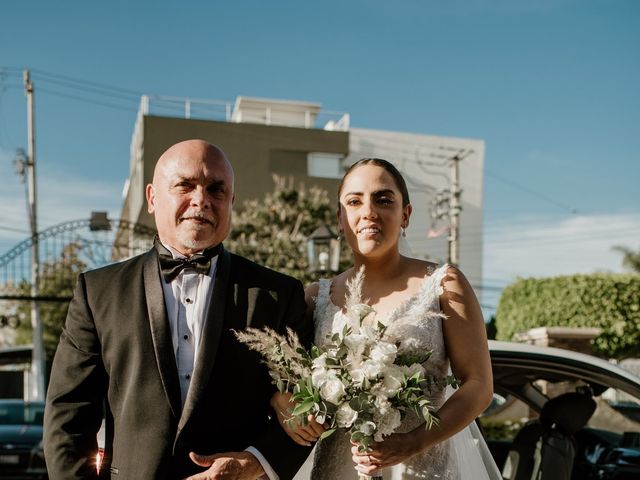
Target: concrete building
[(263, 137)]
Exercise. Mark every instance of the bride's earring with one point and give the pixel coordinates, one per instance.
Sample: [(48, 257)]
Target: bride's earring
[(339, 237), (404, 232)]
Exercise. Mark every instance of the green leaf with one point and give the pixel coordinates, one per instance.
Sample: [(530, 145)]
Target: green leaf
[(303, 408), (327, 433)]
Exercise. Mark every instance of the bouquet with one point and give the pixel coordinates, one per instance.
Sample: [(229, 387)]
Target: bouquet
[(356, 380)]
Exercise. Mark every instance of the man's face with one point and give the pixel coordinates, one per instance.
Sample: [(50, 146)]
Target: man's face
[(192, 196)]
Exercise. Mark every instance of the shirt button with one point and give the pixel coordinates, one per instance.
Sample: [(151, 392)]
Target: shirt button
[(188, 300), (187, 376), (186, 337)]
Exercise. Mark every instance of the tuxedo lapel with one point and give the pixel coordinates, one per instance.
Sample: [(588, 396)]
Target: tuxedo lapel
[(160, 332), (210, 340)]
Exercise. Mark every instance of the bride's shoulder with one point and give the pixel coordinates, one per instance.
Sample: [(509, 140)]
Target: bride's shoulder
[(421, 268), (312, 290)]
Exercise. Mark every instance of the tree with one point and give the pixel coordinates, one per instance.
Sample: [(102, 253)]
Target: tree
[(58, 278), (273, 231), (630, 259)]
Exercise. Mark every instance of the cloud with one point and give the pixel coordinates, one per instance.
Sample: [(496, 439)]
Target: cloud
[(546, 247)]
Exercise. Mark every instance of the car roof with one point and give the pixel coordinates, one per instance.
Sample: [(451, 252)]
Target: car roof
[(517, 364)]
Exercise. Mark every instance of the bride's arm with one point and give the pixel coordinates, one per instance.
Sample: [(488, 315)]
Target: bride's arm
[(467, 348), (465, 339), (281, 402)]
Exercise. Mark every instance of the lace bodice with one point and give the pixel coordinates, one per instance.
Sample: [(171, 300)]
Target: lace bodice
[(415, 325)]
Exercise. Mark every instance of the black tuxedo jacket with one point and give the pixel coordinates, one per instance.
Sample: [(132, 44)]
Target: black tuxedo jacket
[(116, 346)]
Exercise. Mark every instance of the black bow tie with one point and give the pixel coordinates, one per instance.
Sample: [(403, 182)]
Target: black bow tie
[(200, 262)]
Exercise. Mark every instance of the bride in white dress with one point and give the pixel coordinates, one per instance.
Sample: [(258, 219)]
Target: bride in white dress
[(425, 307)]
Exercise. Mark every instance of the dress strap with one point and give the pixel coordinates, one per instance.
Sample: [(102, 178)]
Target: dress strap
[(323, 299), (324, 288), (437, 276)]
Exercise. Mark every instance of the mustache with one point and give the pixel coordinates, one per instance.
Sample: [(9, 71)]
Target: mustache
[(202, 216)]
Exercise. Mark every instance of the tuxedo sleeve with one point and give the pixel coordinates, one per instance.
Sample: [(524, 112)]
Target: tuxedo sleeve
[(76, 393), (284, 455)]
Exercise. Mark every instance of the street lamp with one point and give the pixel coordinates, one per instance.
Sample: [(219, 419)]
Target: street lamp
[(323, 250)]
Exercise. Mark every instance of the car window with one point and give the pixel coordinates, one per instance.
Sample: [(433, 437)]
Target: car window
[(616, 411), (505, 417), (21, 414)]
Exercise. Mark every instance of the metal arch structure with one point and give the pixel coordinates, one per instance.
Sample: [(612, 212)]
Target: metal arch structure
[(68, 248)]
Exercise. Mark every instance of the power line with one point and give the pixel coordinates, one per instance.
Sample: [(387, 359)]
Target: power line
[(103, 86), (87, 100), (13, 229)]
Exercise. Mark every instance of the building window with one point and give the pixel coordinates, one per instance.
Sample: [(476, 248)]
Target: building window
[(324, 165)]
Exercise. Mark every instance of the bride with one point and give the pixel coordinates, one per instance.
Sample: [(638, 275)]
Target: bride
[(433, 308)]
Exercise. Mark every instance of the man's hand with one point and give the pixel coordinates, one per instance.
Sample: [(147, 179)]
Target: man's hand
[(227, 466)]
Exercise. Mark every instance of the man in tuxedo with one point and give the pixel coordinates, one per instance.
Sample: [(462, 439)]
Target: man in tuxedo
[(148, 345)]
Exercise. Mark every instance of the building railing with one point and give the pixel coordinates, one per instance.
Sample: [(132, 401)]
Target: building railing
[(224, 111)]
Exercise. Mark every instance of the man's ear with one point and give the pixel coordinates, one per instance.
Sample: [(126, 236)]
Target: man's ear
[(151, 198)]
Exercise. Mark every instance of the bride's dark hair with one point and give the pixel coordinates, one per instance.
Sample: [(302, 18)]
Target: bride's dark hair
[(389, 167)]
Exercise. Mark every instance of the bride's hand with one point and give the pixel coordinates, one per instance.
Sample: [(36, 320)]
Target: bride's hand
[(395, 449), (302, 435)]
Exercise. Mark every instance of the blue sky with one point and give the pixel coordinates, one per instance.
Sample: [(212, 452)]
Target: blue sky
[(551, 86)]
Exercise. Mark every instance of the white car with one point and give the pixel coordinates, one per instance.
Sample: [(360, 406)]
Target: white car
[(574, 416)]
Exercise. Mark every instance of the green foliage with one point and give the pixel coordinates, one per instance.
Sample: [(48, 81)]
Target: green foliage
[(57, 278), (273, 231), (500, 429), (608, 301)]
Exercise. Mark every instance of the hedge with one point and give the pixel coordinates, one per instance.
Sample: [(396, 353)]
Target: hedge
[(608, 301)]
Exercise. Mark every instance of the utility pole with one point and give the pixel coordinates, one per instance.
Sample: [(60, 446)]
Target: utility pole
[(447, 205), (455, 207), (36, 387)]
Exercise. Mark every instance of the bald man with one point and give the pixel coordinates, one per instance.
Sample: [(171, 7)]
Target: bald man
[(148, 346)]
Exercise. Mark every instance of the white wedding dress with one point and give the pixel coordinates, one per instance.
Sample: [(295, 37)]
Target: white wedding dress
[(417, 323)]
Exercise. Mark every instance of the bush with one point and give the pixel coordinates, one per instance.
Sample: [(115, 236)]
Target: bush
[(500, 429), (608, 301)]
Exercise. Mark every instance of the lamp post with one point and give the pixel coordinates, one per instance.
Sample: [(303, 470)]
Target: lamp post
[(323, 250)]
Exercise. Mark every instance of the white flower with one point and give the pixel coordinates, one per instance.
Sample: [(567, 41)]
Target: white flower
[(392, 380), (384, 352), (320, 362), (382, 405), (345, 416), (370, 332), (367, 428), (387, 423), (360, 310), (371, 368), (357, 375), (355, 342), (329, 385)]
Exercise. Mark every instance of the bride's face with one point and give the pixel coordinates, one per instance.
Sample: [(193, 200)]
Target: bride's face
[(371, 212)]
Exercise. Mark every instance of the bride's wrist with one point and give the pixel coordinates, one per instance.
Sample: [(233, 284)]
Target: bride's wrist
[(421, 439)]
